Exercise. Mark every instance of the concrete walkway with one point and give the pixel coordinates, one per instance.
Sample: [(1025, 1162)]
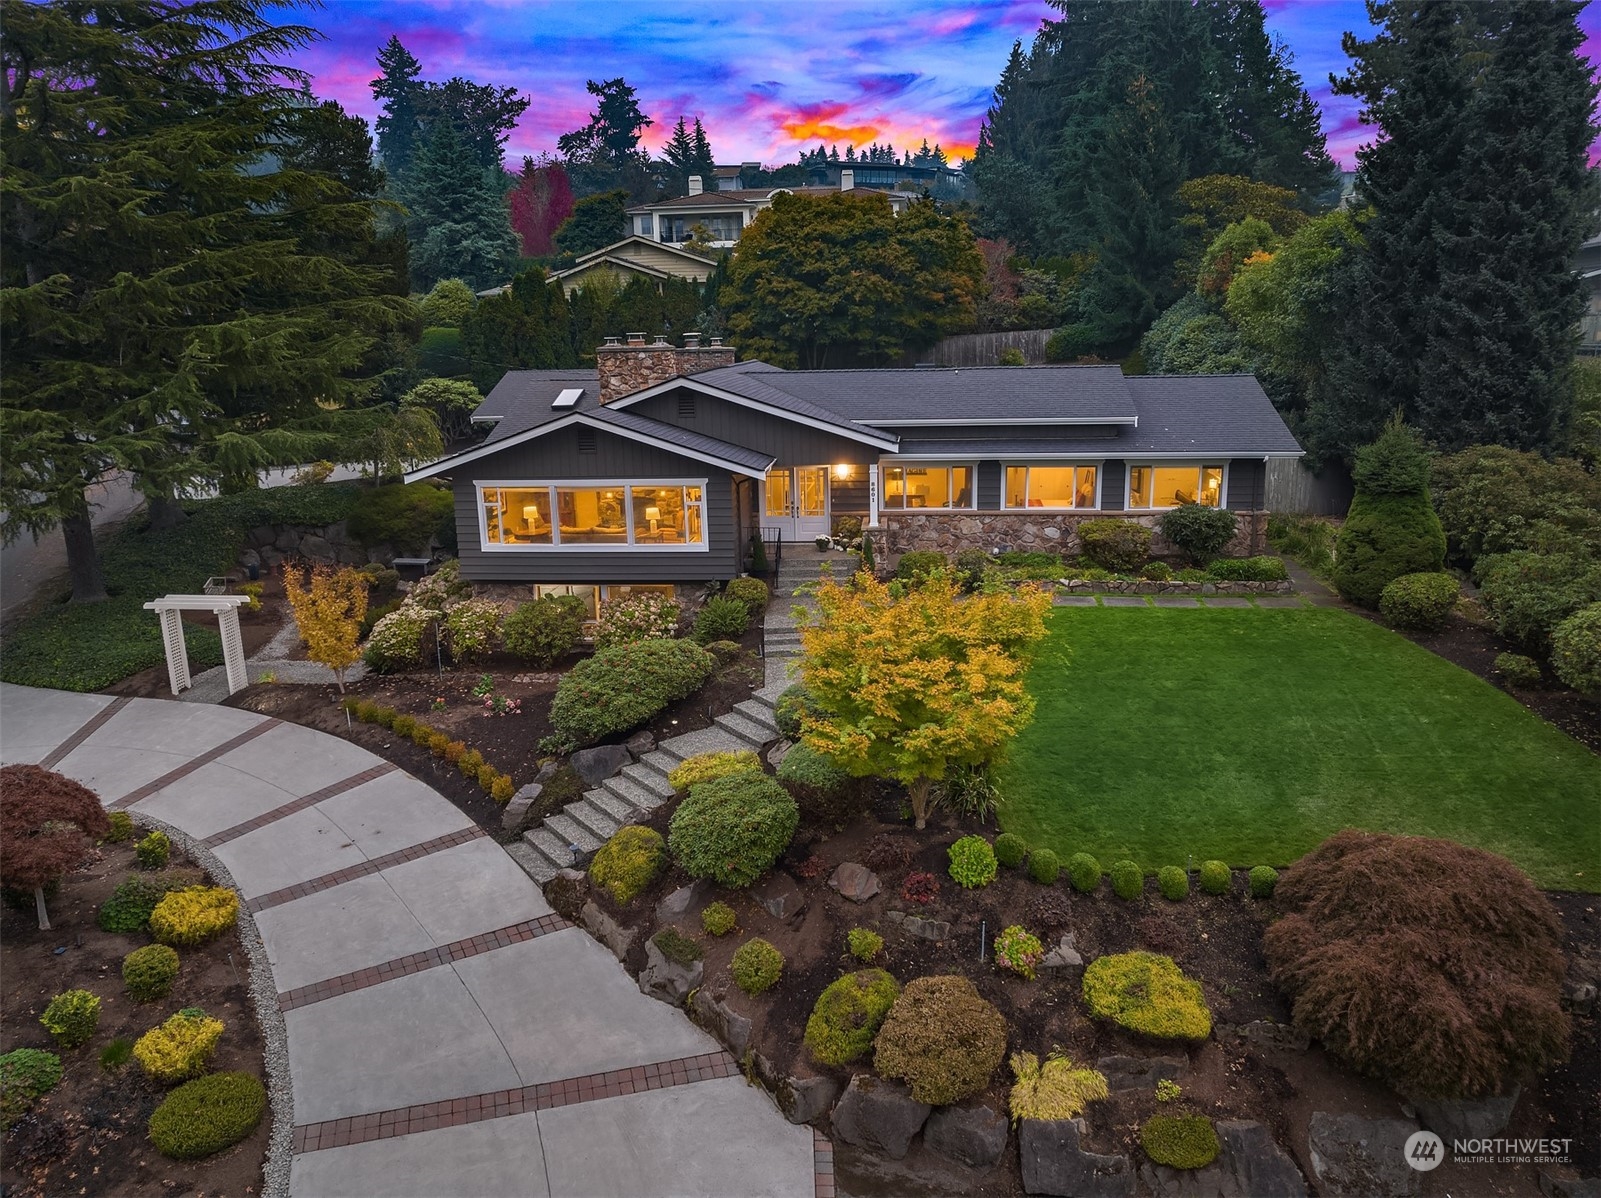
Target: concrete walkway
[(447, 1033)]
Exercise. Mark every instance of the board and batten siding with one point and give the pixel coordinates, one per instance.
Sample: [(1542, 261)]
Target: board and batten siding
[(1247, 485), (791, 443), (615, 459)]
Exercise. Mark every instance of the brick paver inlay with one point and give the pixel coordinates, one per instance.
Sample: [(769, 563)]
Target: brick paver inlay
[(194, 763), (300, 804), (454, 1112), (98, 721), (823, 1164), (428, 958), (362, 869)]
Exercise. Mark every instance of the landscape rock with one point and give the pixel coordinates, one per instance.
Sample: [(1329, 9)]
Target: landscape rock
[(803, 1099), (776, 754), (1064, 956), (1214, 1181), (1553, 1186), (287, 541), (1053, 1162), (855, 882), (517, 809), (778, 893), (250, 558), (606, 929), (681, 900), (640, 743), (1140, 1073), (547, 771), (973, 1135), (726, 1024), (317, 549), (916, 925), (595, 765), (1275, 1035), (1362, 1158), (666, 979), (879, 1115), (1258, 1164), (1468, 1118), (1579, 997), (261, 535)]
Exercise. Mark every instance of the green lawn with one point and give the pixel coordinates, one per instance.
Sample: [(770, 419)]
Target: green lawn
[(1250, 735)]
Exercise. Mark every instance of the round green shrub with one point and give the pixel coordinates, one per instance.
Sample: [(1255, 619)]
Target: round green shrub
[(72, 1017), (1010, 849), (1180, 1141), (149, 972), (805, 766), (864, 944), (1148, 994), (121, 827), (1128, 880), (1084, 873), (1529, 593), (732, 829), (752, 592), (622, 686), (152, 852), (972, 862), (1262, 880), (919, 564), (756, 965), (942, 1039), (1116, 545), (1383, 538), (1216, 877), (1044, 866), (207, 1115), (546, 630), (847, 1016), (25, 1075), (1419, 601), (971, 566), (1174, 883), (792, 705), (718, 919), (1200, 532), (1576, 650), (721, 618), (627, 863), (1156, 572), (1518, 670)]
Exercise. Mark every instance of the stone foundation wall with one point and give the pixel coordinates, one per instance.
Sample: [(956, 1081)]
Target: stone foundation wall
[(1031, 531)]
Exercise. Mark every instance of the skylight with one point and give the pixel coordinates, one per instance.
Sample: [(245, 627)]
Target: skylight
[(567, 398)]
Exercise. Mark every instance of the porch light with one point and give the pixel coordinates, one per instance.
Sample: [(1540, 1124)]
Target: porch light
[(842, 471)]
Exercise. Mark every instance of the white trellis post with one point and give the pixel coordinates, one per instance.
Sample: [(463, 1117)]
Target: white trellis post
[(170, 609)]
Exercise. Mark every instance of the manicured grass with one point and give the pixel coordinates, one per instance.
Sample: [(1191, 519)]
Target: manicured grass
[(1170, 736)]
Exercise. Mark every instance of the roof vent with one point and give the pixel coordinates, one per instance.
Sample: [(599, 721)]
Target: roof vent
[(691, 340), (717, 342), (568, 398), (586, 440)]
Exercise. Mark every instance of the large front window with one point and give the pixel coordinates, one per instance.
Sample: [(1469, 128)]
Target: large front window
[(1169, 486), (569, 515), (1051, 486), (927, 487)]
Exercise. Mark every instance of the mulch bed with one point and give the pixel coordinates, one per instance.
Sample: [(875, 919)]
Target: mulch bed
[(87, 1136)]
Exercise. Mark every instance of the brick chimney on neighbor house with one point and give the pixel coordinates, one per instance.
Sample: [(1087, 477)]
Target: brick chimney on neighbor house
[(625, 369)]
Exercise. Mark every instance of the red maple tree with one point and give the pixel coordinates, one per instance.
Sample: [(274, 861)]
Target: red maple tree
[(541, 201), (47, 823)]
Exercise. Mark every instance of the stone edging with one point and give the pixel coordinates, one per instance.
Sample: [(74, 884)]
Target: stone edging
[(264, 997), (1173, 586)]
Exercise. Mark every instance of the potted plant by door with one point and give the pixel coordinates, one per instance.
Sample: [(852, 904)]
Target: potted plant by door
[(824, 544)]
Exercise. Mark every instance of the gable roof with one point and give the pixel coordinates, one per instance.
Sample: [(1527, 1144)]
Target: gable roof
[(1208, 413), (620, 249)]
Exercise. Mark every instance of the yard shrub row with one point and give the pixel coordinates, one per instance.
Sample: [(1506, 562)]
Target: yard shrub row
[(496, 785)]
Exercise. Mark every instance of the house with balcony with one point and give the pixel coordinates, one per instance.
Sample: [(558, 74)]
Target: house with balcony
[(724, 212), (658, 467)]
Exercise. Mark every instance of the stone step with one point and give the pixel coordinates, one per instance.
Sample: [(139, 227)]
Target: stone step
[(620, 810), (573, 832), (551, 847), (704, 740), (651, 771), (592, 818), (532, 862), (637, 796), (747, 729), (757, 709)]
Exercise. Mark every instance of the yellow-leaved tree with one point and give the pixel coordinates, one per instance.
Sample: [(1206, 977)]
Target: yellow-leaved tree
[(908, 681), (329, 609)]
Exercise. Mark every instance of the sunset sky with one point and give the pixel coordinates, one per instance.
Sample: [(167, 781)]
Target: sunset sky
[(766, 79)]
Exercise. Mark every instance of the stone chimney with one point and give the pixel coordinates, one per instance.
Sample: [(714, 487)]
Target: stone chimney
[(636, 365), (847, 180), (694, 185)]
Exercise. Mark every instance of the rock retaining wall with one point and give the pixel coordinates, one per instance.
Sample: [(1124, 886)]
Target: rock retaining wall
[(269, 544), (1039, 530)]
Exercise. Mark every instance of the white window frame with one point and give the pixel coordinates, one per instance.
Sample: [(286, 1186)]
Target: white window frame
[(1100, 479), (885, 464), (591, 484), (1131, 466)]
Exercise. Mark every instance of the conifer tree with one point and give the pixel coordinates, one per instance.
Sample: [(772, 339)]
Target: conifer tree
[(397, 87), (524, 327), (457, 217), (700, 160)]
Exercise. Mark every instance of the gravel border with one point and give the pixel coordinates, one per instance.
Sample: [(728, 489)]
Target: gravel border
[(264, 996)]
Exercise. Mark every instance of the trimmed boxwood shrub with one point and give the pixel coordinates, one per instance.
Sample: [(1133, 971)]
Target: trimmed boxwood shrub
[(193, 916), (1180, 1141), (848, 1014), (180, 1047), (72, 1017), (1576, 650), (1200, 532), (919, 564), (1148, 994), (1266, 568), (732, 829), (718, 919), (756, 965), (206, 1115), (1263, 879), (1434, 966), (630, 861), (149, 972), (1215, 877), (1174, 883), (152, 852), (972, 862), (942, 1039), (1419, 601), (1117, 545), (721, 619), (1517, 669), (1044, 866), (546, 630), (622, 686), (1084, 873), (1128, 880), (26, 1074), (703, 767), (752, 592), (1010, 849)]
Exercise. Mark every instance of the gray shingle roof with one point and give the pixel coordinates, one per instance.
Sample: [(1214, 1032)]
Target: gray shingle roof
[(1210, 413), (522, 398), (683, 438)]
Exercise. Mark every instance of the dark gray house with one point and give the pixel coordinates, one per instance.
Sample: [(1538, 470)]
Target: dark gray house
[(658, 467)]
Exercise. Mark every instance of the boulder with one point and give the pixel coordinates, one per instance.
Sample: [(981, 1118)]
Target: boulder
[(726, 1024), (1214, 1181), (879, 1115), (778, 893), (317, 548), (1362, 1158), (916, 925), (681, 900), (973, 1135), (286, 541), (1140, 1073), (666, 979), (606, 929), (517, 808), (1468, 1118), (640, 743), (1268, 1034), (803, 1099), (776, 754), (1053, 1162), (260, 535), (595, 765), (1259, 1165), (855, 882), (547, 771), (250, 558)]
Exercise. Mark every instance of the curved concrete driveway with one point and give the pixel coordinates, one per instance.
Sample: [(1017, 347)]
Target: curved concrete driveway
[(448, 1034)]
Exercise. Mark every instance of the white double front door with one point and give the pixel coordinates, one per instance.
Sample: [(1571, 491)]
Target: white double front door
[(795, 501)]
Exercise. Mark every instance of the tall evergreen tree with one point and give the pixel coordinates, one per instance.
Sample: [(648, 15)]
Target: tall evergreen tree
[(458, 220), (1463, 303), (525, 327), (483, 116), (700, 159), (680, 149), (175, 304), (399, 92)]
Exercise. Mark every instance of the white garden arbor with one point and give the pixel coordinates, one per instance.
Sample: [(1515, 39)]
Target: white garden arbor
[(226, 608)]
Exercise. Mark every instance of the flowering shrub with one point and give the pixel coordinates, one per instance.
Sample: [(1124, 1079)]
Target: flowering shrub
[(436, 591), (920, 888), (502, 705), (1019, 950), (473, 629), (193, 916), (643, 616), (180, 1047), (397, 639)]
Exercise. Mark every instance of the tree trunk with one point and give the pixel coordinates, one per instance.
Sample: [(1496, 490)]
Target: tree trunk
[(165, 512), (83, 560), (918, 792), (38, 901)]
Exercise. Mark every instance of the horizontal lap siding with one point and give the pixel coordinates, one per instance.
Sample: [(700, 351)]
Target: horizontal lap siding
[(616, 459), (791, 443)]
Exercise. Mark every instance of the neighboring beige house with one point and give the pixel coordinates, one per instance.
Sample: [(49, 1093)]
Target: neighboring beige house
[(633, 257), (725, 213)]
